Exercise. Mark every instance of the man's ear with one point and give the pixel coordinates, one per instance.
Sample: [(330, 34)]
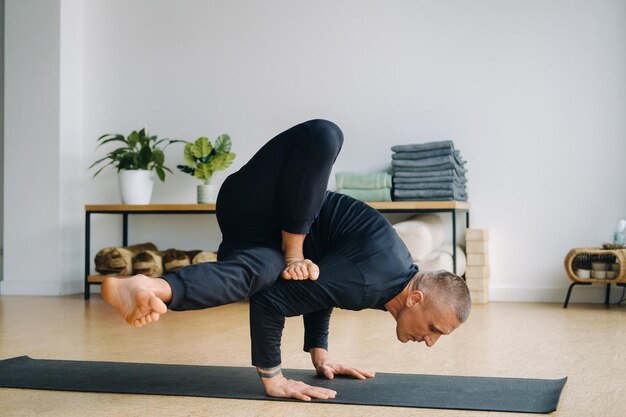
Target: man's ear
[(415, 297)]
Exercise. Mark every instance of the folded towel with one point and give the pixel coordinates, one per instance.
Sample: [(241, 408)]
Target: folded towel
[(401, 166), (430, 194), (419, 180), (428, 162), (419, 156), (375, 194), (363, 181), (443, 144), (402, 173), (430, 186), (429, 199)]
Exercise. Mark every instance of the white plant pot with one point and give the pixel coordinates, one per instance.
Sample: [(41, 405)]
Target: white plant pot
[(135, 186), (207, 194)]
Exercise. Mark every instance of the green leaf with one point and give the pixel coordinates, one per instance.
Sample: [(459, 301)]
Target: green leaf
[(201, 147), (188, 154), (208, 173), (109, 138), (223, 144), (158, 157), (160, 173), (144, 158), (100, 160), (221, 161), (199, 174), (133, 138), (104, 166), (128, 161)]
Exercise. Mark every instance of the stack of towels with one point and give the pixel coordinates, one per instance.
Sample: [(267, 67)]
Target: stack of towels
[(428, 171), (365, 187)]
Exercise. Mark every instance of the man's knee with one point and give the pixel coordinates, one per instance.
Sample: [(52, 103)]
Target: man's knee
[(327, 135)]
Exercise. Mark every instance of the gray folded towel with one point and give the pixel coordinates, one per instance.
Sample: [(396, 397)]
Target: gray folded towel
[(429, 199), (415, 156), (376, 194), (417, 180), (444, 185), (401, 166), (428, 162), (443, 144), (363, 181), (421, 154), (430, 194), (401, 173)]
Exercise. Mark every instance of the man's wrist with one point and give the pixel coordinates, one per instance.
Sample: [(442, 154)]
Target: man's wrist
[(269, 376), (318, 356)]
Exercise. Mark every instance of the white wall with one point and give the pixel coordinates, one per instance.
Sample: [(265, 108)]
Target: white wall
[(532, 92)]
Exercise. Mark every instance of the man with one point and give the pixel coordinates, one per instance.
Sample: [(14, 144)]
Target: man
[(331, 251)]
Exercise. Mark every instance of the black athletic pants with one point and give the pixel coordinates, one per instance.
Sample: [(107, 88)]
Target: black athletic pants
[(281, 188)]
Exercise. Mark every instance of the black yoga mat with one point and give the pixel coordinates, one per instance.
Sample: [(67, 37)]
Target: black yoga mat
[(400, 390)]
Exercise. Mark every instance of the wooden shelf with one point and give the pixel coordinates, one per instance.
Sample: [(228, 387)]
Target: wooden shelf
[(174, 208), (419, 205), (148, 207), (127, 210), (97, 279)]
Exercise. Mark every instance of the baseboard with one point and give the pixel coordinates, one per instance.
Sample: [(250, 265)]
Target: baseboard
[(52, 288), (580, 294)]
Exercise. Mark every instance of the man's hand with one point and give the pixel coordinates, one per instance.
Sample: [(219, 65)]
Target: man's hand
[(288, 388), (328, 369), (299, 269)]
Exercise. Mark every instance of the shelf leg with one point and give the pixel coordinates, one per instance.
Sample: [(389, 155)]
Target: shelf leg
[(125, 229), (607, 295), (87, 249), (569, 291), (454, 241)]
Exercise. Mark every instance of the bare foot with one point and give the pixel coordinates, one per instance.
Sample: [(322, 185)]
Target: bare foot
[(301, 269), (138, 299)]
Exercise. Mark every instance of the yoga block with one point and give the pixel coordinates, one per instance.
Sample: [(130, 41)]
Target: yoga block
[(476, 246), (477, 259), (477, 234), (479, 297), (477, 272), (477, 284)]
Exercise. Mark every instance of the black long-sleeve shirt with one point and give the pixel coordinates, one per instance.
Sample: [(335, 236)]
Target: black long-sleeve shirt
[(363, 264)]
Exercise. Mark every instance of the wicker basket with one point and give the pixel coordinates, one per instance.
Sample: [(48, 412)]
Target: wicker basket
[(583, 257)]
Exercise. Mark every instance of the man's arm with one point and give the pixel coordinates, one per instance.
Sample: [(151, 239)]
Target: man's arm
[(316, 343), (266, 327)]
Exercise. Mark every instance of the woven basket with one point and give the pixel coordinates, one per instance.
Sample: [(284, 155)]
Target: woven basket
[(583, 257)]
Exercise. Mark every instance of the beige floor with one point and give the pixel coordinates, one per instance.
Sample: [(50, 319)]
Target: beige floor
[(587, 343)]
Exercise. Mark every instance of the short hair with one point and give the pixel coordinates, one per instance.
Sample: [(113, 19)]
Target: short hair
[(445, 289)]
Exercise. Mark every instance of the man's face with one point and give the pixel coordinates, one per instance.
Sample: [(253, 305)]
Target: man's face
[(421, 321)]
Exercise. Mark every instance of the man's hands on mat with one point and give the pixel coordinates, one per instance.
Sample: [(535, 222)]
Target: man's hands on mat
[(281, 387), (324, 367)]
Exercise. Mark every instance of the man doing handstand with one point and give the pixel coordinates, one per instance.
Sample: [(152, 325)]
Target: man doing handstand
[(277, 219)]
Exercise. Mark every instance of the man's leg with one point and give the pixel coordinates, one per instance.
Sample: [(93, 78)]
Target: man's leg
[(142, 300), (281, 188)]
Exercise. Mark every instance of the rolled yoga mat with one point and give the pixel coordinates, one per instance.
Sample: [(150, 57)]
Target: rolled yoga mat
[(399, 390)]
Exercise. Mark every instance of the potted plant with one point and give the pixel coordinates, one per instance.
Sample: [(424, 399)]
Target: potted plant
[(138, 156), (203, 160)]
